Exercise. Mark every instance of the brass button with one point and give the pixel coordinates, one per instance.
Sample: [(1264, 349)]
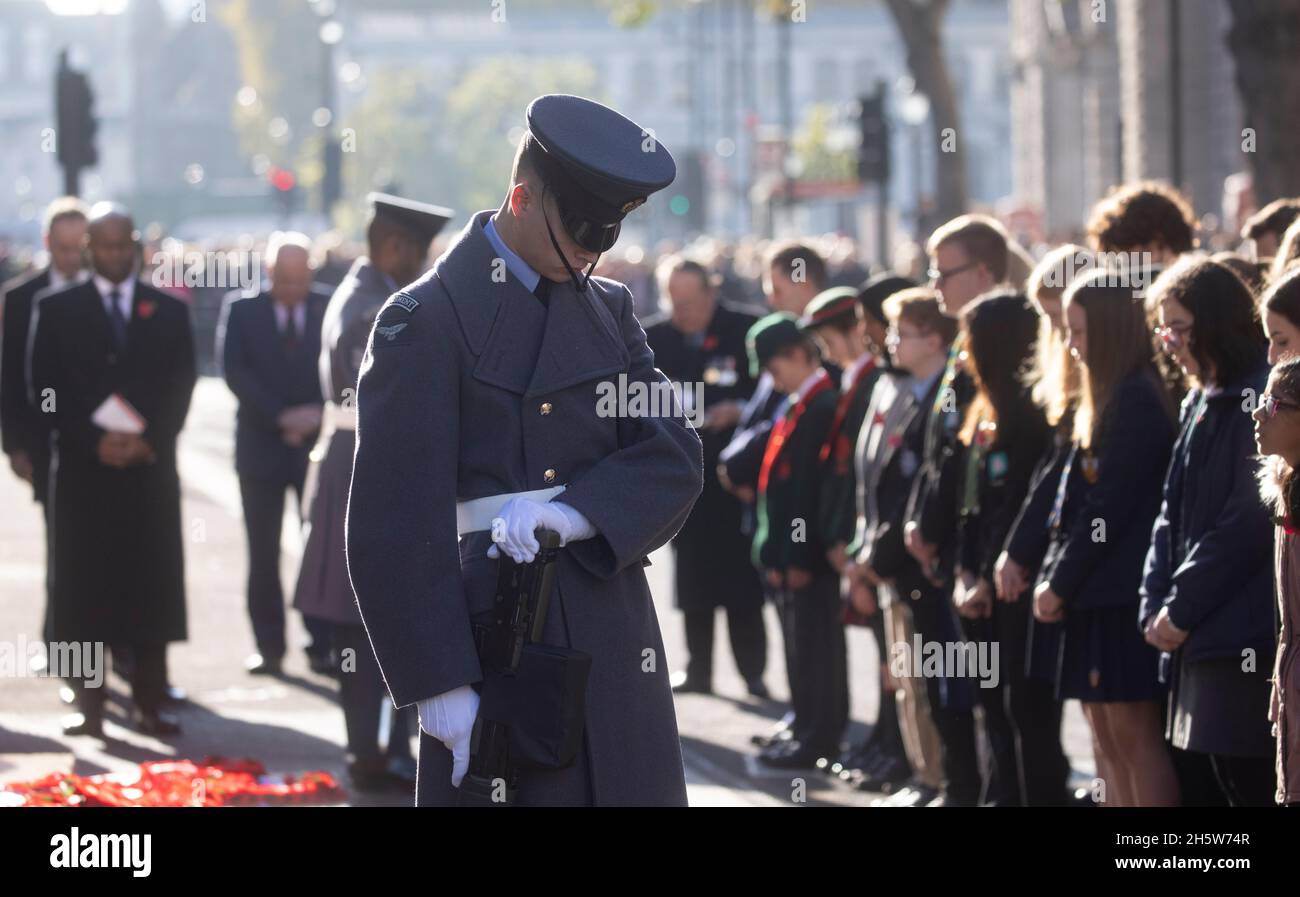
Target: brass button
[(546, 408), (549, 476)]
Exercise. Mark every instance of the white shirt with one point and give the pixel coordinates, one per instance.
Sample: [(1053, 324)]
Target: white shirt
[(851, 372), (299, 312), (125, 293), (58, 281)]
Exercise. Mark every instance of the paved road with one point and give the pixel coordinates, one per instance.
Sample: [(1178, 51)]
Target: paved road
[(293, 725)]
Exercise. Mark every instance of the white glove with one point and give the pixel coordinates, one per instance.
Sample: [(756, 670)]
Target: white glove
[(513, 531), (449, 717)]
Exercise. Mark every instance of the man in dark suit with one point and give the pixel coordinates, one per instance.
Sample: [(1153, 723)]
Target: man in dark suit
[(269, 345), (116, 556), (21, 433), (701, 346), (23, 436)]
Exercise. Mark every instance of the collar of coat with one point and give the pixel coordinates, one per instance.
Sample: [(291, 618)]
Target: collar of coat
[(580, 337)]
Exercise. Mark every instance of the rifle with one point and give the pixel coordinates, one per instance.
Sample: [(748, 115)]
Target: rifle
[(533, 695)]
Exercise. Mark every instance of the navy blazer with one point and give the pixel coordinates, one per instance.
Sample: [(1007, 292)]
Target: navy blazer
[(267, 378), (1092, 567), (1211, 556)]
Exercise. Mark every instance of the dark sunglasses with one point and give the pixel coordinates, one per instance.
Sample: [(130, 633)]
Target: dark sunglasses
[(937, 276)]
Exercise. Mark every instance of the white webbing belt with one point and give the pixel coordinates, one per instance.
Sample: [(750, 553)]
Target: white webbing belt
[(477, 514)]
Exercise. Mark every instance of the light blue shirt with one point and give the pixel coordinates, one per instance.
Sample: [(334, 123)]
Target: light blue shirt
[(921, 387), (514, 264)]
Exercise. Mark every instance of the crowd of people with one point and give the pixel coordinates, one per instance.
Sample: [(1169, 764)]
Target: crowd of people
[(1069, 480)]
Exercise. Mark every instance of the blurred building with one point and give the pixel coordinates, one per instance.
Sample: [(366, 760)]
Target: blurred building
[(709, 76), (1099, 102)]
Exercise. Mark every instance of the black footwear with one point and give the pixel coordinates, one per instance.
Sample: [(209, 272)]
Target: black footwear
[(683, 684), (793, 756), (914, 794), (156, 723), (885, 775), (782, 731), (257, 665), (757, 689), (83, 724)]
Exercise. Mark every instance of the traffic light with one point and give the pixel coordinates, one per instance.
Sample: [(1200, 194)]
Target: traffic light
[(284, 189), (873, 150), (687, 200), (75, 120)]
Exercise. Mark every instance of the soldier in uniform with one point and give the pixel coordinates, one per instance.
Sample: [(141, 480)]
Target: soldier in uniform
[(479, 413), (398, 238)]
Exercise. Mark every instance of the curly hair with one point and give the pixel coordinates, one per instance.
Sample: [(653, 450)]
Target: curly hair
[(1140, 213)]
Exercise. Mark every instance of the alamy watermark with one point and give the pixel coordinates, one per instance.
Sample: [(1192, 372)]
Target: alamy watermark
[(951, 660), (662, 398), (64, 660), (234, 269)]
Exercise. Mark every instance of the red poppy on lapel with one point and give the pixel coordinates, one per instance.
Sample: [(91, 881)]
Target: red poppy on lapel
[(878, 419), (146, 309), (710, 342), (895, 440), (784, 470)]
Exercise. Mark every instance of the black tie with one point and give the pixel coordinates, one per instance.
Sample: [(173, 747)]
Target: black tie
[(116, 319), (290, 331), (543, 291)]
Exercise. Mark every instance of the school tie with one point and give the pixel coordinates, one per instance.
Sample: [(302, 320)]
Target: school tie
[(116, 319)]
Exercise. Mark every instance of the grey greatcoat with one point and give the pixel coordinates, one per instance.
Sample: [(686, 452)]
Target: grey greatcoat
[(472, 388), (324, 590)]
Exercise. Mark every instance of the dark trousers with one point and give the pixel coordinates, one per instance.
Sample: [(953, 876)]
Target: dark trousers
[(146, 671), (936, 621), (1022, 718), (263, 499), (746, 633), (817, 660), (1246, 781), (362, 695)]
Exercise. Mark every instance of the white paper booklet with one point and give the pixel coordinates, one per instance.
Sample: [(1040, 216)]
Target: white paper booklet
[(116, 415)]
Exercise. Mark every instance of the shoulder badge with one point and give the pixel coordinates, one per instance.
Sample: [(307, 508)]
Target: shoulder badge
[(406, 302), (390, 331)]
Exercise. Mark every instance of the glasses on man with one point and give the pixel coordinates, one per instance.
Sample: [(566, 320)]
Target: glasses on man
[(937, 277), (894, 336), (1271, 405)]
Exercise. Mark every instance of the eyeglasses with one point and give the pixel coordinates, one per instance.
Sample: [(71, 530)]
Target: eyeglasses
[(1271, 405), (1172, 334), (937, 277), (894, 336)]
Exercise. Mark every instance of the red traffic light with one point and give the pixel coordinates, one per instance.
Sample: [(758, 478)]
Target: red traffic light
[(282, 179)]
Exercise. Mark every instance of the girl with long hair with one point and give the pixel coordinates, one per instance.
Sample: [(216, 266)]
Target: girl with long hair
[(1107, 498)]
